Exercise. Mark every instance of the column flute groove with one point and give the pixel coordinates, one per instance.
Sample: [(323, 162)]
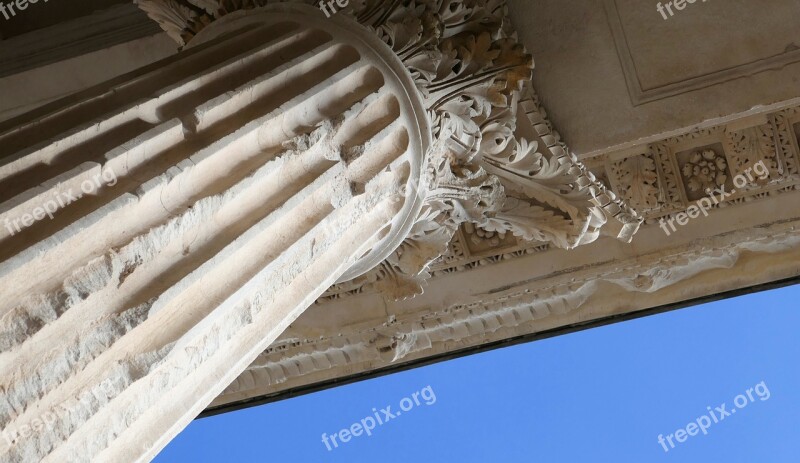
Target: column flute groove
[(234, 194)]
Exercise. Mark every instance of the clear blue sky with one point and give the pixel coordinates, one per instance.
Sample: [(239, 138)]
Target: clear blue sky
[(601, 395)]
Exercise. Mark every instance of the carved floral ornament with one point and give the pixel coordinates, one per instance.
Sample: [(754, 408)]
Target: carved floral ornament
[(474, 78), (705, 170)]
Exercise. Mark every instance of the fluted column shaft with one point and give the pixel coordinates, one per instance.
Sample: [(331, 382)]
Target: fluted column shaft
[(163, 229)]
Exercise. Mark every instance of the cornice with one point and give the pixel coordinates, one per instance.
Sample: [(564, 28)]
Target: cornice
[(579, 295)]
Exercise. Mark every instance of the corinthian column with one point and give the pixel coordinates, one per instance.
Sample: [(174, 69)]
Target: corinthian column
[(165, 228)]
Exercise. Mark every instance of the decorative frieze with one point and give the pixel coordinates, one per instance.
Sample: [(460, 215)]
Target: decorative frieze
[(666, 177), (786, 127), (751, 145), (636, 178)]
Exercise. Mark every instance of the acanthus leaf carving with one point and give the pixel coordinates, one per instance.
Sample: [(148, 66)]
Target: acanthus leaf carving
[(638, 181), (474, 78), (749, 146)]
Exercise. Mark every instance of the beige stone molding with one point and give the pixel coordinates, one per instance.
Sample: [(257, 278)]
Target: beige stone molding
[(112, 26), (642, 92), (579, 296), (661, 178)]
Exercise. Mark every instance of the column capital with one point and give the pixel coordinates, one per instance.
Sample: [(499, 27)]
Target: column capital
[(496, 164)]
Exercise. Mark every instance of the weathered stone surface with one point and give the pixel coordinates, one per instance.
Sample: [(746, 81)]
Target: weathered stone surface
[(240, 179), (278, 154), (299, 199), (492, 286)]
